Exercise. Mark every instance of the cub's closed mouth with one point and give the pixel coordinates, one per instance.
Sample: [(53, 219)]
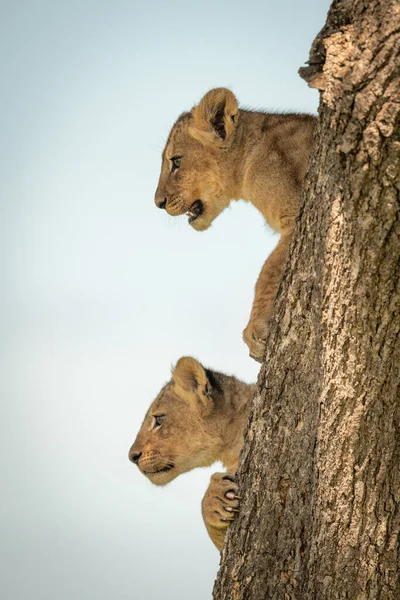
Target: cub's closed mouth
[(163, 470)]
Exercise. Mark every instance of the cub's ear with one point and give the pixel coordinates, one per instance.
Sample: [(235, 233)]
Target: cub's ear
[(191, 381), (215, 118)]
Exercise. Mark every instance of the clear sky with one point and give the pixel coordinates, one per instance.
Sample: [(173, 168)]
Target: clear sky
[(101, 292)]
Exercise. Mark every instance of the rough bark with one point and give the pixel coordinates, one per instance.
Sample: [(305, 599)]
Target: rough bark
[(320, 470)]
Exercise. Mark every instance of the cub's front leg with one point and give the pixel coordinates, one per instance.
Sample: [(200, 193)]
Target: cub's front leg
[(219, 505), (265, 291)]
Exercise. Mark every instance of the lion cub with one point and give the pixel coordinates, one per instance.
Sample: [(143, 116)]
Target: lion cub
[(217, 153), (197, 419)]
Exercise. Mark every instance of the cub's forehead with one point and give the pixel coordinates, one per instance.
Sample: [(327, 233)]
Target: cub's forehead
[(178, 133), (163, 399)]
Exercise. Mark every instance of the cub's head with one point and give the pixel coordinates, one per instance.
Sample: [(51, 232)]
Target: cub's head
[(173, 437), (194, 176)]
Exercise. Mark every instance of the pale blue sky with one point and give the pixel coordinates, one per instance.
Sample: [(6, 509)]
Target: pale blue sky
[(102, 292)]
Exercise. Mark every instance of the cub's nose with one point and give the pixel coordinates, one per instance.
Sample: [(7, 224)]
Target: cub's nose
[(162, 204), (134, 457), (159, 198)]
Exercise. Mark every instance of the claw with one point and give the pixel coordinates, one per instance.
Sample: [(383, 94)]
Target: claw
[(232, 496), (257, 339)]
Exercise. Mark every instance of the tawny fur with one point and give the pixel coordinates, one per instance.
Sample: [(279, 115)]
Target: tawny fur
[(227, 153), (197, 419)]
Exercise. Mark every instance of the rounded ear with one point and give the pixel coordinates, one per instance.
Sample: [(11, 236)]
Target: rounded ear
[(215, 118), (191, 381)]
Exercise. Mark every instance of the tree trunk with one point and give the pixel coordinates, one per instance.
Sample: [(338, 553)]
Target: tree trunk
[(320, 470)]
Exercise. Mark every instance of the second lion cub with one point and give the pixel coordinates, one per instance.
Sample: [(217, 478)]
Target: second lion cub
[(197, 419), (217, 153)]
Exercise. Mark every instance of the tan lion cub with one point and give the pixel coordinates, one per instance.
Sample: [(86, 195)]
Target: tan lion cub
[(197, 419), (217, 153)]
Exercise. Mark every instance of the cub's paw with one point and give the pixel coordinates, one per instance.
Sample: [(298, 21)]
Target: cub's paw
[(221, 501), (255, 337)]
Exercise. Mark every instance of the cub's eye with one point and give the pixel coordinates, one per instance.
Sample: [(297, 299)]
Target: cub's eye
[(158, 421), (176, 163)]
